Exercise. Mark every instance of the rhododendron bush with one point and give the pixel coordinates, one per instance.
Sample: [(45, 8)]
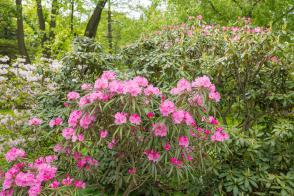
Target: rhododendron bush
[(123, 134), (250, 65)]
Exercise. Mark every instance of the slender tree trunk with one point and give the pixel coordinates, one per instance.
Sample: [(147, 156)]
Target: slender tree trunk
[(41, 20), (109, 27), (93, 23), (20, 31), (72, 17), (54, 12)]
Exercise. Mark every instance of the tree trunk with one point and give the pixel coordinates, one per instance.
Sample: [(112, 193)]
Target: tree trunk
[(109, 27), (54, 12), (72, 17), (20, 31), (41, 21), (93, 23)]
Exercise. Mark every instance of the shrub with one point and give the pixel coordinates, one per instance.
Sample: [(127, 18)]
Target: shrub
[(250, 65), (136, 138)]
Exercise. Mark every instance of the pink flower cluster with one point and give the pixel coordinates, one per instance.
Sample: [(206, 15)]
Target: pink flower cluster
[(14, 153), (183, 141), (30, 175), (184, 86), (35, 121), (181, 116), (204, 82), (103, 134), (55, 122), (167, 107), (121, 118), (219, 135), (73, 96), (108, 86), (159, 129), (87, 120), (152, 155), (68, 181), (70, 133), (84, 161), (74, 118)]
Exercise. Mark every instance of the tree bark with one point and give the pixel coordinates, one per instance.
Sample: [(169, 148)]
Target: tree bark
[(54, 12), (41, 21), (20, 31), (109, 27), (72, 17), (93, 23)]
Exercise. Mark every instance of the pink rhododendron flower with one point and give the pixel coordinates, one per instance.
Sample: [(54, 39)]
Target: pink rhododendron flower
[(103, 134), (84, 100), (167, 107), (187, 157), (159, 129), (196, 99), (150, 114), (184, 141), (116, 86), (81, 137), (58, 148), (73, 96), (86, 86), (132, 87), (178, 116), (120, 118), (65, 104), (111, 144), (74, 118), (98, 96), (35, 189), (214, 96), (182, 86), (14, 153), (108, 75), (67, 133), (101, 83), (203, 81), (24, 179), (151, 90), (174, 161), (189, 120), (7, 192), (87, 120), (35, 121), (74, 138), (46, 172), (219, 136), (55, 122), (141, 81), (135, 119), (213, 121), (67, 181), (55, 184), (152, 155), (167, 147), (132, 171), (80, 184)]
